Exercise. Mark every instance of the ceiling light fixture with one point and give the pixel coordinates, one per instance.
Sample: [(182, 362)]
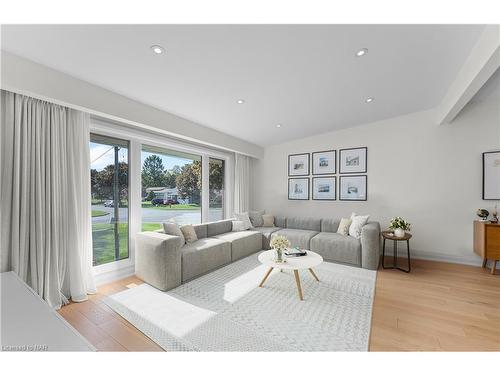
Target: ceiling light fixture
[(157, 49), (369, 100), (278, 125), (240, 101), (362, 52)]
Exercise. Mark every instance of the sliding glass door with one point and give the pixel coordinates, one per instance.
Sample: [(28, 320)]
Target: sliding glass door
[(109, 186), (171, 187)]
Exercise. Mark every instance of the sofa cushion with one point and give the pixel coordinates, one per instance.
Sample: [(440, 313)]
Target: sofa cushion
[(242, 243), (280, 221), (337, 248), (219, 227), (297, 237), (203, 256), (329, 225), (201, 230), (303, 223), (266, 235)]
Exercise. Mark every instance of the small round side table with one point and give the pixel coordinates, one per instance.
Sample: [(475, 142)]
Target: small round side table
[(389, 235)]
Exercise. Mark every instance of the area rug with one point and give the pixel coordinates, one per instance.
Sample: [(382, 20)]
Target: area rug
[(225, 310)]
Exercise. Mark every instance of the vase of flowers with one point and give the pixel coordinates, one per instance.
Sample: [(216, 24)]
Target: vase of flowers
[(279, 244), (399, 226)]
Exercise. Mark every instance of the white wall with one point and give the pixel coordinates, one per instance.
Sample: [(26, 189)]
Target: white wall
[(430, 174)]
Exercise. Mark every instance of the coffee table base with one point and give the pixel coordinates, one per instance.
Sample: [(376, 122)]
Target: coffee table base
[(297, 280)]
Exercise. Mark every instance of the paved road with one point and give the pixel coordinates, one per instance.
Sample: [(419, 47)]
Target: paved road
[(155, 215)]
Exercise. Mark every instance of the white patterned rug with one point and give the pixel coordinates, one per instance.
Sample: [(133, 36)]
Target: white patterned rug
[(226, 310)]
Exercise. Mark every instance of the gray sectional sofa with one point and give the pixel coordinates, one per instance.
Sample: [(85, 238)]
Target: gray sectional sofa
[(164, 262)]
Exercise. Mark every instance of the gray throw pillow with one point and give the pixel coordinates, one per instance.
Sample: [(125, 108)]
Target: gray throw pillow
[(173, 230), (256, 218)]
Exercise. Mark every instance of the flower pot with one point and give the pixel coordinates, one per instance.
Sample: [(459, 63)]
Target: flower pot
[(398, 232)]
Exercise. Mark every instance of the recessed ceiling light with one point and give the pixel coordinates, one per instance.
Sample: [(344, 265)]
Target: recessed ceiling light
[(278, 125), (240, 101), (157, 49), (362, 52), (369, 100)]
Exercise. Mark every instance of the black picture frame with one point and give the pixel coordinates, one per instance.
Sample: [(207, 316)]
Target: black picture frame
[(308, 188), (485, 198), (308, 164), (353, 200), (334, 163), (334, 184), (349, 149)]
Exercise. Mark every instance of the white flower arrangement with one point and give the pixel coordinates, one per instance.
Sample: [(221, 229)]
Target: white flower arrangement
[(280, 242)]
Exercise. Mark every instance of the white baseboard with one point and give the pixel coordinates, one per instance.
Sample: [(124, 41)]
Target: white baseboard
[(471, 260), (113, 275)]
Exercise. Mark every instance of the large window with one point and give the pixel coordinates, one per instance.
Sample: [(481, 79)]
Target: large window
[(171, 187), (216, 189), (109, 182)]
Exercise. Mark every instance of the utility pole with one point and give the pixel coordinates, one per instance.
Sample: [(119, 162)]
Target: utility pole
[(116, 203)]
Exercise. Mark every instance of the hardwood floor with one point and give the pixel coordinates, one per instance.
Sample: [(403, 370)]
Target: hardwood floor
[(104, 328), (436, 307)]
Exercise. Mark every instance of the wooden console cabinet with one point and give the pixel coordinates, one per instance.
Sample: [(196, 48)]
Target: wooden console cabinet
[(487, 242)]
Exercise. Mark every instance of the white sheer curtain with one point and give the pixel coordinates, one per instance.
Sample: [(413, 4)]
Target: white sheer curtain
[(241, 183), (46, 235)]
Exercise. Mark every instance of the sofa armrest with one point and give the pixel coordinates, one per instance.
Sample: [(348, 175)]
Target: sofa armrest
[(370, 245), (158, 259)]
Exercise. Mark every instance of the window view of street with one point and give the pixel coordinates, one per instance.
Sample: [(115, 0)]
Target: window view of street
[(109, 184), (216, 189), (171, 188), (171, 191)]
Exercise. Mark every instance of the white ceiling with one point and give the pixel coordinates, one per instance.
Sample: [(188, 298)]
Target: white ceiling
[(305, 77)]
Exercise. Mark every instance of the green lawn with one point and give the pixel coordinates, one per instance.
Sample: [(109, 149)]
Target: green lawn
[(103, 240), (193, 207), (97, 213)]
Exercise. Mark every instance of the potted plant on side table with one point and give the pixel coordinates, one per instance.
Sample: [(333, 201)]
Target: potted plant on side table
[(399, 226)]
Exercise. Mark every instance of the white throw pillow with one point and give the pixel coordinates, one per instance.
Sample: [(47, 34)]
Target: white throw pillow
[(344, 226), (357, 224), (268, 221), (244, 217), (238, 226)]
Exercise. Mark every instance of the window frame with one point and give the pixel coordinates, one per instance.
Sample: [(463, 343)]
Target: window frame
[(128, 191), (137, 138)]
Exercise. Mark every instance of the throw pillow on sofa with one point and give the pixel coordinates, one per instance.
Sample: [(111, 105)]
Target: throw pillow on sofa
[(344, 226), (173, 230), (256, 218), (267, 220), (189, 233), (244, 217), (358, 222), (239, 226)]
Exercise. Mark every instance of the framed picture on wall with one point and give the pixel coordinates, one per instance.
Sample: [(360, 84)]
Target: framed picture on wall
[(353, 160), (353, 188), (324, 188), (298, 165), (323, 162), (491, 175), (298, 189)]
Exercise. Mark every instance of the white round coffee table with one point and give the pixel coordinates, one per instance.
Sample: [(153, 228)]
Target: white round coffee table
[(292, 263)]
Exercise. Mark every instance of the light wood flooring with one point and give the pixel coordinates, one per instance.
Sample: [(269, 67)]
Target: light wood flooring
[(436, 307)]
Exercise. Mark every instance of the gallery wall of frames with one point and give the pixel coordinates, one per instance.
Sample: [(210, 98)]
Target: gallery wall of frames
[(315, 175)]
